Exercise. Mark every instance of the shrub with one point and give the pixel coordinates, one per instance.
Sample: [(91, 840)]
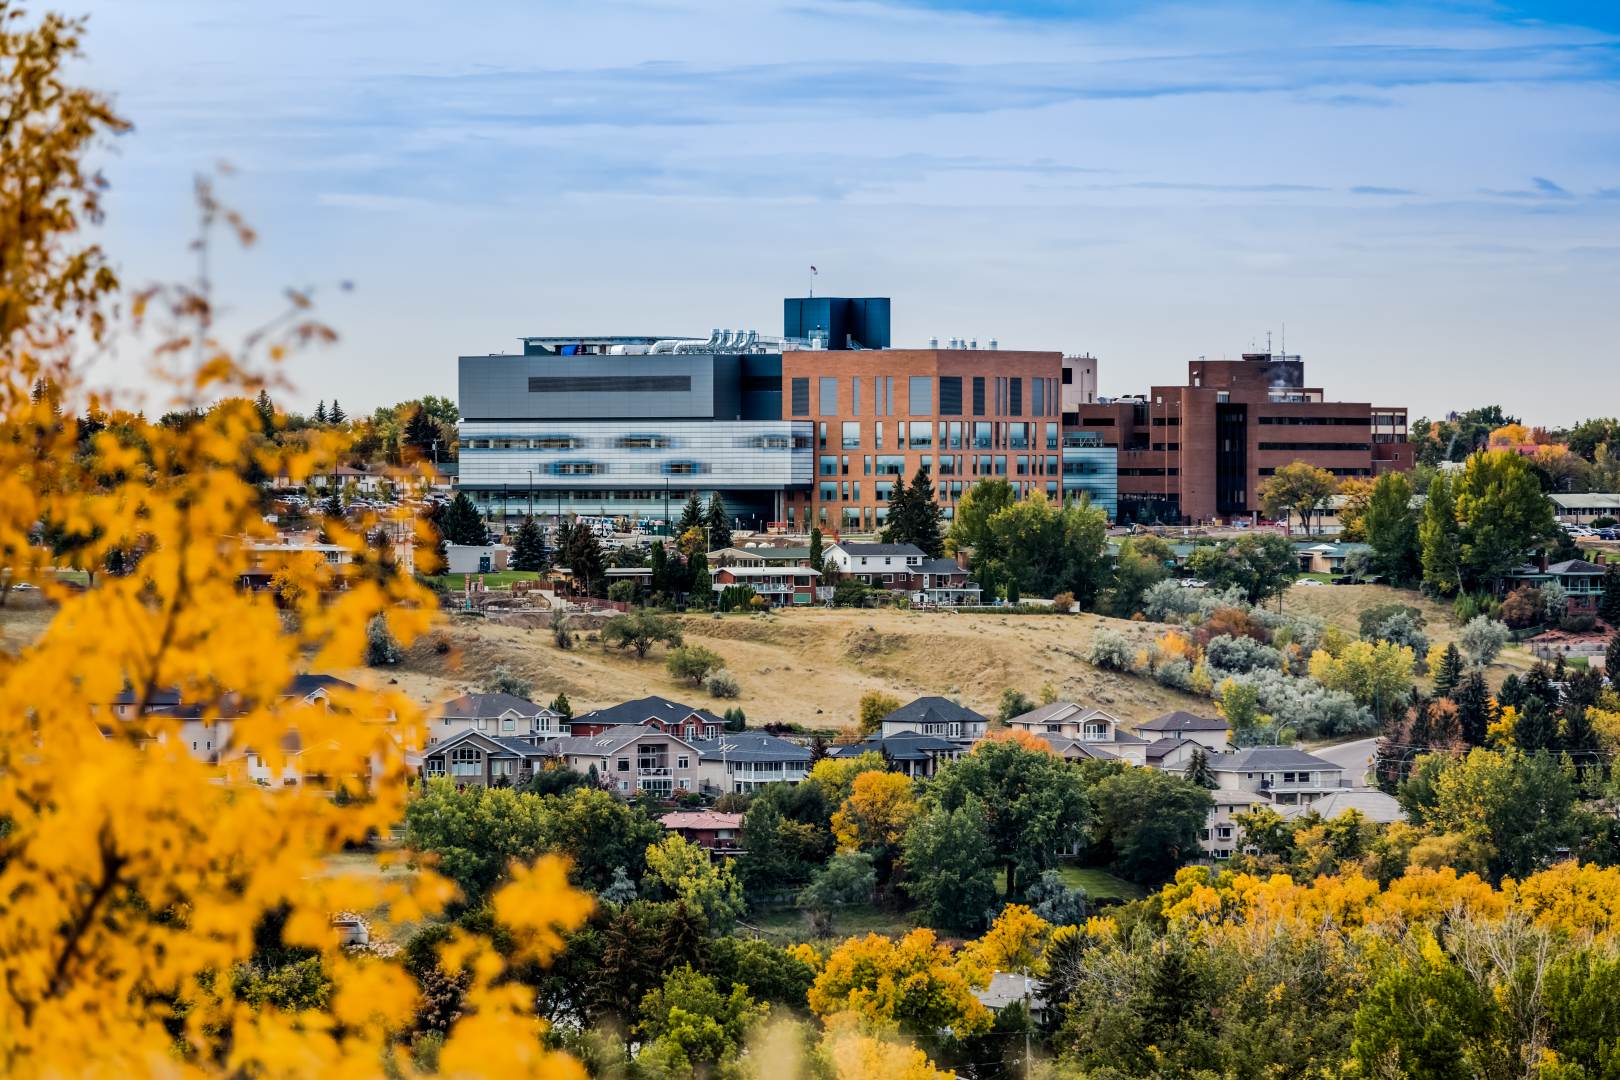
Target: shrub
[(1167, 601), (692, 663), (381, 648), (1522, 608), (722, 684), (1471, 606), (1110, 650), (1176, 674), (561, 635), (1578, 624), (1230, 655), (505, 681), (850, 593), (623, 592), (737, 598), (1307, 707), (1233, 622), (1053, 900), (1482, 639), (1554, 600), (1401, 628), (1063, 601)]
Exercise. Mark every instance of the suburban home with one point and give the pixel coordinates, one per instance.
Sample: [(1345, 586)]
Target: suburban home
[(631, 758), (1323, 557), (206, 733), (933, 715), (708, 829), (904, 568), (473, 758), (778, 585), (745, 761), (1066, 725), (1173, 753), (1582, 580), (1210, 732), (760, 556), (496, 714), (1009, 988), (1370, 803), (1282, 774), (1587, 508), (907, 753), (1221, 835), (656, 713)]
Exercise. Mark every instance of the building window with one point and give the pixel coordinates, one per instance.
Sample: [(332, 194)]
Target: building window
[(920, 395), (852, 434), (801, 397), (623, 764), (829, 396), (508, 726), (950, 395), (827, 465), (978, 395), (1038, 397), (1015, 397), (465, 761), (854, 395), (680, 761)]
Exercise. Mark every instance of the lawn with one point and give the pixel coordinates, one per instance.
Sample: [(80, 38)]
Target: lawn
[(497, 579), (786, 926), (1100, 884)]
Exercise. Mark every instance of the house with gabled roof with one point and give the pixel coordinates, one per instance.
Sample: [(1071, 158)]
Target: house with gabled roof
[(907, 752), (658, 713), (1280, 773), (632, 758), (1210, 732), (745, 761), (1582, 581), (474, 758), (1075, 730), (506, 715), (934, 715)]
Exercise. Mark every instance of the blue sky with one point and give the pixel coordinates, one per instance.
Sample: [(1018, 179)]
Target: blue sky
[(1427, 195)]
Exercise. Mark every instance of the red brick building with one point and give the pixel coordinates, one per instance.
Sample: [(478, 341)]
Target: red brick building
[(879, 414), (1202, 450)]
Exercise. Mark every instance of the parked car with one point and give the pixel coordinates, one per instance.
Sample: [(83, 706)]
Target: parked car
[(1609, 534)]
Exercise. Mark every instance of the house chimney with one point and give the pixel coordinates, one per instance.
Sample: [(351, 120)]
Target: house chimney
[(1541, 561)]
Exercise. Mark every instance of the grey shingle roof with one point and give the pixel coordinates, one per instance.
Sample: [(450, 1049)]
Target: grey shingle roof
[(1576, 566), (641, 710), (937, 566), (750, 746), (484, 706), (595, 745), (1261, 758), (1183, 721), (906, 746), (868, 550), (1065, 745), (935, 708)]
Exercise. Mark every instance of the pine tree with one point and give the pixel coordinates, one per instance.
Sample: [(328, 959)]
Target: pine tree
[(702, 594), (562, 706), (1475, 712), (1198, 771), (923, 522), (691, 515), (267, 412), (584, 556), (421, 432), (1609, 604), (815, 551), (1536, 729), (320, 412), (336, 415), (460, 523), (529, 546), (719, 523), (1450, 673), (898, 522), (659, 562)]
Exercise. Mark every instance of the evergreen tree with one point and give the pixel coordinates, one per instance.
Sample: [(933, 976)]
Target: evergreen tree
[(529, 546), (898, 522), (702, 592), (659, 562), (336, 415), (460, 523), (719, 522), (320, 412), (1450, 673), (1475, 712), (1611, 660), (691, 515), (267, 412), (815, 550), (1198, 771), (923, 520), (584, 557), (562, 706), (1609, 605), (1536, 729), (421, 432)]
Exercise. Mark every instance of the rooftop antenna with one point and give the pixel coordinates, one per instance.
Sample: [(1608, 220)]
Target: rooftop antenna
[(1268, 343), (813, 272), (1285, 339)]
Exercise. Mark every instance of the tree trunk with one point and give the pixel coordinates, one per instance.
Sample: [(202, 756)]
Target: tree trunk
[(1012, 881)]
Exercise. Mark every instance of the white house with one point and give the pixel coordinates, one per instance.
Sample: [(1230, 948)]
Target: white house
[(1282, 774), (1063, 723), (1210, 732), (496, 714)]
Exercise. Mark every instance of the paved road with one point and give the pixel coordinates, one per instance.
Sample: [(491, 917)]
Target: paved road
[(1354, 757)]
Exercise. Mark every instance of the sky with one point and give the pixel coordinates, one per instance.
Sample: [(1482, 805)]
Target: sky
[(1424, 197)]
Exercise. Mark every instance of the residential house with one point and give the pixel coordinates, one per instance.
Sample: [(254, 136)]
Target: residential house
[(1323, 557), (708, 829), (943, 583), (496, 714), (1009, 988), (904, 568), (1221, 835), (1370, 803), (778, 585), (474, 758), (206, 732), (1173, 753), (1210, 732), (907, 752), (631, 758), (745, 761), (1080, 731), (1587, 508), (938, 716), (1282, 774), (1582, 580), (656, 713)]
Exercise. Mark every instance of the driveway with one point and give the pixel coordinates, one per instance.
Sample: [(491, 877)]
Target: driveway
[(1355, 758)]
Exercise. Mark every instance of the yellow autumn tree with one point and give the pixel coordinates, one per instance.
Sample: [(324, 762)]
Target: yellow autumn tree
[(880, 807), (1015, 942), (133, 877), (909, 985)]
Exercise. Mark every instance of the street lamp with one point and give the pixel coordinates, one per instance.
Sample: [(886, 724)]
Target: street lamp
[(531, 493)]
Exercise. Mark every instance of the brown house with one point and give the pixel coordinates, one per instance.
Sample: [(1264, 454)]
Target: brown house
[(708, 829)]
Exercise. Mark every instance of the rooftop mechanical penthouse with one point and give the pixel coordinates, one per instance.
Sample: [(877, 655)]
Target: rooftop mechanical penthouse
[(809, 428)]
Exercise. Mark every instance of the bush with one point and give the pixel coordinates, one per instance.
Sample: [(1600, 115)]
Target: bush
[(1401, 628), (722, 684), (1604, 522), (622, 592), (737, 598), (1228, 655), (1470, 606), (561, 635), (1167, 601), (1522, 608), (381, 648), (1110, 650), (1063, 601), (1176, 674), (1482, 639), (850, 593), (1307, 707), (1053, 900), (693, 663), (505, 681), (1578, 624)]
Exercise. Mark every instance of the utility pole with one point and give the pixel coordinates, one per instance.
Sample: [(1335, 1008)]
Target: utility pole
[(531, 493)]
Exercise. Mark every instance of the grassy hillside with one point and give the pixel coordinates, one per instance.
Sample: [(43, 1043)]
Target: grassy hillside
[(811, 667)]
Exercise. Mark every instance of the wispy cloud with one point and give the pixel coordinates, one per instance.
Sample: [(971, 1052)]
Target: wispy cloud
[(1371, 189), (1540, 188)]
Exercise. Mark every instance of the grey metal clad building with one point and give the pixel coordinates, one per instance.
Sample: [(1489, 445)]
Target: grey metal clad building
[(624, 426)]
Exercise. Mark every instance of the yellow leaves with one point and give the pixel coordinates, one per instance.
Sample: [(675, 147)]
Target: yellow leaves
[(539, 906), (1018, 737), (1573, 897), (910, 984), (1501, 732), (1016, 942), (856, 1055), (879, 808)]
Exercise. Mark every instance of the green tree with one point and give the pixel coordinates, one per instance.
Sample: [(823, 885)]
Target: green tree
[(460, 523), (914, 516), (1198, 771), (690, 1027), (640, 630), (816, 558), (719, 523), (1440, 538), (1034, 803), (848, 879), (1299, 487), (1609, 603), (950, 866), (336, 414), (1502, 516), (1521, 805), (529, 546), (1449, 672), (686, 872), (1391, 527), (475, 834), (1148, 822), (874, 706), (1262, 565), (1142, 562), (1014, 702), (691, 663), (692, 515), (579, 549), (562, 707)]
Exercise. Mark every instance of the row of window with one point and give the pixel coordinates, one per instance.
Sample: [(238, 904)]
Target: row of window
[(948, 435), (1269, 471), (1315, 421), (634, 441), (920, 395), (1316, 446)]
